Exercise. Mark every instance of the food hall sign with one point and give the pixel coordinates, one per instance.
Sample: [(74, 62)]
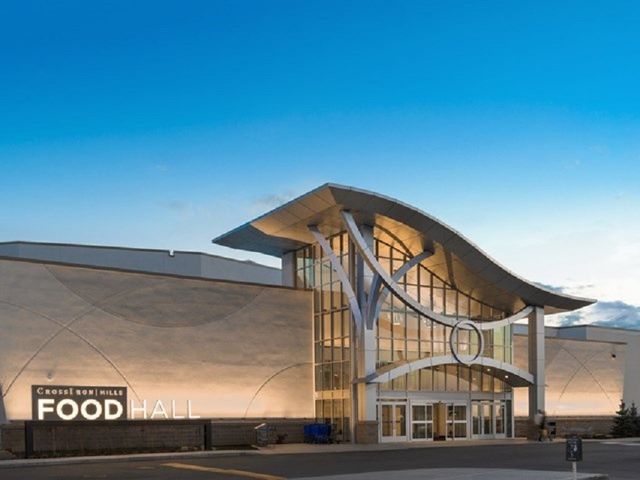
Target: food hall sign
[(78, 403)]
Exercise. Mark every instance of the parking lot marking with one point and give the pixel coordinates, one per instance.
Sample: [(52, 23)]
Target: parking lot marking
[(626, 444), (226, 471)]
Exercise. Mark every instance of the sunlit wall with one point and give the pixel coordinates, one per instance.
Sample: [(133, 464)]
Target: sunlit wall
[(582, 377), (232, 349)]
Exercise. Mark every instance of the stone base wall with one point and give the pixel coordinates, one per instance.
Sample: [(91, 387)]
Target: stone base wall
[(586, 427), (367, 432), (82, 438), (12, 437), (242, 432)]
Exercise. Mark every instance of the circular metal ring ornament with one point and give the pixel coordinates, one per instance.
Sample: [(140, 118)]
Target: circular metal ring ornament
[(465, 359)]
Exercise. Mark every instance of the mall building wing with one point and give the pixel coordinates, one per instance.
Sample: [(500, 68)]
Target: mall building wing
[(382, 320)]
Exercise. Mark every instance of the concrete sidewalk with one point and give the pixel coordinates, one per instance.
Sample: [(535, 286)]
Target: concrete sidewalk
[(463, 474), (292, 448), (284, 449)]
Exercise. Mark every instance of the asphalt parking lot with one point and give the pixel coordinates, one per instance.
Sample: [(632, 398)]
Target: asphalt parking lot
[(621, 460)]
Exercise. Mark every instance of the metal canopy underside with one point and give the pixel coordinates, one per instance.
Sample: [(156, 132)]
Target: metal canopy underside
[(456, 259)]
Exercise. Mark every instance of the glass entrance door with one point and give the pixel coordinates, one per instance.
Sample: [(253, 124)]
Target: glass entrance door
[(393, 422), (499, 419), (488, 419), (456, 421), (422, 421), (486, 412)]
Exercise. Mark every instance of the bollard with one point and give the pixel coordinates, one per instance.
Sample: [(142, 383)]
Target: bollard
[(573, 453)]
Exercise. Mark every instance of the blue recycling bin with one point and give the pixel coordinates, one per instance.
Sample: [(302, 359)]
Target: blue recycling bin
[(317, 433)]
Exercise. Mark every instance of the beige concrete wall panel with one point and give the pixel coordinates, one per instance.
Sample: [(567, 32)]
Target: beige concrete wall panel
[(98, 286), (60, 362), (231, 349), (32, 286), (23, 333), (582, 377), (156, 300)]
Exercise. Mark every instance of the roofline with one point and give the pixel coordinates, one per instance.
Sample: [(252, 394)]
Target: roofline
[(133, 249), (145, 272), (276, 209), (590, 325), (521, 329), (475, 249)]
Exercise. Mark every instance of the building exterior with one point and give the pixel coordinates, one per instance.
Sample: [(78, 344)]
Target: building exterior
[(164, 337), (383, 321)]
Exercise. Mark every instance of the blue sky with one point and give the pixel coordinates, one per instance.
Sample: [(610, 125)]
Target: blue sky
[(164, 124)]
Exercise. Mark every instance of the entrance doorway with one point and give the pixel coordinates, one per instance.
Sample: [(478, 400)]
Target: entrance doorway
[(421, 421), (450, 421), (439, 421), (457, 421), (393, 422), (488, 419)]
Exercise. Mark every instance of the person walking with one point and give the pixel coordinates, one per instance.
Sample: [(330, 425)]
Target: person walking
[(541, 421)]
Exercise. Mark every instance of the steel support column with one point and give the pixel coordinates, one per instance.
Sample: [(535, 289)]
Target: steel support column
[(367, 393), (536, 361)]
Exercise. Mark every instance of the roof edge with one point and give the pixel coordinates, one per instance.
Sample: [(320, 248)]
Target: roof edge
[(132, 249), (563, 301)]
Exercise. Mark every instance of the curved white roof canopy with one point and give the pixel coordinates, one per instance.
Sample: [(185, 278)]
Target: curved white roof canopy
[(456, 259)]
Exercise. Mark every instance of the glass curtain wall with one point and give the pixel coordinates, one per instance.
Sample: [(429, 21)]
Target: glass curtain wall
[(331, 330), (403, 335)]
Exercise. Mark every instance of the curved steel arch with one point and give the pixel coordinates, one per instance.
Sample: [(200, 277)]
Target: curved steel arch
[(342, 275), (372, 262), (392, 285), (379, 295), (453, 342), (516, 377), (519, 315)]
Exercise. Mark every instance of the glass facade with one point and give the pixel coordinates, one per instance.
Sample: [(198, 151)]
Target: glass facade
[(401, 335), (331, 330), (489, 418), (404, 335)]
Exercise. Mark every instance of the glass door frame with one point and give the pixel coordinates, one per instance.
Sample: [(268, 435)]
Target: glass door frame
[(428, 421), (394, 421), (497, 404), (493, 405), (453, 421)]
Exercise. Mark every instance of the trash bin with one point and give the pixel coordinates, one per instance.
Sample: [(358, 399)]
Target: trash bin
[(262, 435), (317, 433)]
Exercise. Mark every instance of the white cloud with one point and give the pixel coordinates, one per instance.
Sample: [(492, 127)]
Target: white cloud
[(270, 201), (606, 314)]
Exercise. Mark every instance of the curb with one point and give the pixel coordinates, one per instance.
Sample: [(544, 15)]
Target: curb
[(134, 457), (139, 457)]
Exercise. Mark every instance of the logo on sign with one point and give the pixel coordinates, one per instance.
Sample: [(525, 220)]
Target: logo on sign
[(78, 403)]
